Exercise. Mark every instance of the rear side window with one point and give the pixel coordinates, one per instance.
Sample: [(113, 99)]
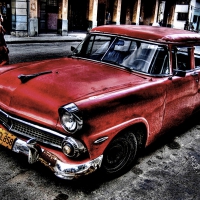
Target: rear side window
[(181, 58)]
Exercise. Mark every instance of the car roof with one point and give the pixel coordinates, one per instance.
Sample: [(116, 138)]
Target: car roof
[(155, 33)]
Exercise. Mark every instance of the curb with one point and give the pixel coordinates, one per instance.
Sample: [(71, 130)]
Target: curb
[(40, 41), (44, 39)]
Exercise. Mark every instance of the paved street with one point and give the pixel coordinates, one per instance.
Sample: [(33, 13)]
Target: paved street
[(38, 51), (168, 170)]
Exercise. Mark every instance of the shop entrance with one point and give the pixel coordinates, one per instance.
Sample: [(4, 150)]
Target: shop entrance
[(126, 12), (77, 14), (101, 14), (48, 20)]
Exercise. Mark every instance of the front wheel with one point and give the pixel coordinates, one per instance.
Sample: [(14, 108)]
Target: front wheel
[(120, 154)]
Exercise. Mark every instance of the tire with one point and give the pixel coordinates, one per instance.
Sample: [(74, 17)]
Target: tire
[(120, 154)]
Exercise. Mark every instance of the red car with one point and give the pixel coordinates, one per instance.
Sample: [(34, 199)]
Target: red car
[(121, 88)]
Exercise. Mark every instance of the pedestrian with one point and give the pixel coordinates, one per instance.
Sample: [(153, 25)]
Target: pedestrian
[(4, 59), (187, 25), (108, 18)]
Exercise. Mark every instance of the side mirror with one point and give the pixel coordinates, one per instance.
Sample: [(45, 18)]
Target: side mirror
[(74, 51)]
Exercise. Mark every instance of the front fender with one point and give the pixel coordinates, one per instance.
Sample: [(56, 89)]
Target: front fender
[(96, 146), (108, 114)]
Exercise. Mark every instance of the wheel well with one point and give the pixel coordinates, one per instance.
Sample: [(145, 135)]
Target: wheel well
[(140, 132)]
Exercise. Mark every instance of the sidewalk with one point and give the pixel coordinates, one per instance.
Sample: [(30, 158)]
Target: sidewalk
[(41, 38)]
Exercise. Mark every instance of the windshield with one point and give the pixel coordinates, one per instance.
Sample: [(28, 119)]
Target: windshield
[(127, 53)]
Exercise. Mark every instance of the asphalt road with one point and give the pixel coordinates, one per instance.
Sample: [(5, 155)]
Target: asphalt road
[(168, 170), (39, 51)]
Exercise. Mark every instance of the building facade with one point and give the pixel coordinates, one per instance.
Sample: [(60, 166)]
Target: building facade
[(33, 17)]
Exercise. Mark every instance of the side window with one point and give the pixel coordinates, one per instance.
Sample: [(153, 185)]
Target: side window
[(197, 56), (97, 46), (160, 62), (93, 47), (181, 58)]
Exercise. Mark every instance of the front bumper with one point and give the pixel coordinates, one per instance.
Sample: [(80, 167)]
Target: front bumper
[(62, 170)]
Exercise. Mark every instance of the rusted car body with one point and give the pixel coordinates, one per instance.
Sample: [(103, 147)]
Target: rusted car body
[(121, 88)]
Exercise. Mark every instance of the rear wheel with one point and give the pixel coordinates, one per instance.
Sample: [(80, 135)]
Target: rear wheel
[(120, 154)]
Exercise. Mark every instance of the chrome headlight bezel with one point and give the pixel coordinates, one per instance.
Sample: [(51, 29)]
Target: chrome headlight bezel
[(70, 118)]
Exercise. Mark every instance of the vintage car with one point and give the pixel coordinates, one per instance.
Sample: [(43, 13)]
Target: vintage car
[(121, 88)]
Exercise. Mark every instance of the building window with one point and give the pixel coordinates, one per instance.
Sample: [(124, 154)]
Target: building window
[(182, 2), (52, 2), (182, 16)]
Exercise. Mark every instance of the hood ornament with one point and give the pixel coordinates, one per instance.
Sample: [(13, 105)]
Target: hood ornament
[(25, 78)]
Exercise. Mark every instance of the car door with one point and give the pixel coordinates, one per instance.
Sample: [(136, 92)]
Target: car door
[(182, 88), (197, 73)]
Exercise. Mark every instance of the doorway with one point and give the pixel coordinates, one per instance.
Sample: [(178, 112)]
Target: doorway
[(101, 14), (126, 12), (77, 12), (48, 20)]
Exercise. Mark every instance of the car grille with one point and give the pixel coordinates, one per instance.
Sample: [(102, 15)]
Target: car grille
[(29, 130)]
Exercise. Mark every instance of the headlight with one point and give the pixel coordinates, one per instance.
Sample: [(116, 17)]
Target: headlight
[(70, 118), (69, 121)]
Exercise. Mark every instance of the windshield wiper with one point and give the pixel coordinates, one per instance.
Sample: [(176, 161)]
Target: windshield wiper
[(25, 78)]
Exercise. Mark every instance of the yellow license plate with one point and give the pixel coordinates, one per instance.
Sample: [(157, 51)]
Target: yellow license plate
[(7, 139)]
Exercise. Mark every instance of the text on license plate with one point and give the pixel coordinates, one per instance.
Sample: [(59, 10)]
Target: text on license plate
[(6, 139)]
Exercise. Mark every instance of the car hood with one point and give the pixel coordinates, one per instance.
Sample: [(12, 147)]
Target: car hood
[(61, 81)]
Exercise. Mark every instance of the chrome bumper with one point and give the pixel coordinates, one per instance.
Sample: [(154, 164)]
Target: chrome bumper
[(62, 170)]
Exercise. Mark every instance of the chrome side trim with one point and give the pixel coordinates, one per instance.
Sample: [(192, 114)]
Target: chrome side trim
[(100, 140)]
